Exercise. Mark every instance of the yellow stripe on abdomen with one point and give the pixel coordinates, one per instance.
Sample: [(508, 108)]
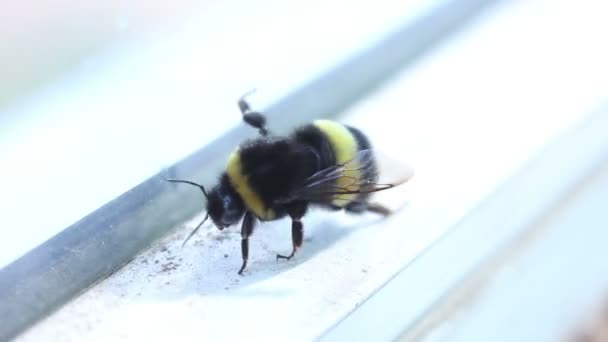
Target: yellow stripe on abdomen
[(239, 181), (345, 147)]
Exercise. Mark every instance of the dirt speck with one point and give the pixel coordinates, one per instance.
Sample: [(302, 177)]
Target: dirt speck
[(363, 270), (156, 261), (169, 266), (221, 237), (225, 255)]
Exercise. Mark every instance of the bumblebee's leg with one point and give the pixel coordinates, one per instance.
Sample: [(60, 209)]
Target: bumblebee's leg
[(246, 230), (359, 207), (378, 209), (253, 119), (296, 212), (296, 238)]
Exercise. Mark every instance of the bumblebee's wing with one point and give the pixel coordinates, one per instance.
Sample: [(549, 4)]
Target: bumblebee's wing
[(360, 175)]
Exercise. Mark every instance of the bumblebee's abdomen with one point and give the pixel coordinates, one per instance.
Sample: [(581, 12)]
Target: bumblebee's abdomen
[(337, 144), (342, 141)]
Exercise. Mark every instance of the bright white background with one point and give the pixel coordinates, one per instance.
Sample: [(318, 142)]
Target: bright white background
[(157, 89), (466, 117)]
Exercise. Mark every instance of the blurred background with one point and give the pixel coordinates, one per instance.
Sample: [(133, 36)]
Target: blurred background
[(96, 97), (42, 41)]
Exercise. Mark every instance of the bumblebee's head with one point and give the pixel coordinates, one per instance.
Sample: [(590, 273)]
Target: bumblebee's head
[(224, 206)]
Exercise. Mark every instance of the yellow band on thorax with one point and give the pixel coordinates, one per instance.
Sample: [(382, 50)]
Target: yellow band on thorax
[(345, 147), (239, 181)]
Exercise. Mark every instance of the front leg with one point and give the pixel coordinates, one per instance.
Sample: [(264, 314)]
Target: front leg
[(296, 211), (246, 231)]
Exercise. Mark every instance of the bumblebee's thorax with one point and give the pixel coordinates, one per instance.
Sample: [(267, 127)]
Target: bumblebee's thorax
[(262, 171)]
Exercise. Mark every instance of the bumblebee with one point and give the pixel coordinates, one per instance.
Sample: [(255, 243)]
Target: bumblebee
[(323, 163)]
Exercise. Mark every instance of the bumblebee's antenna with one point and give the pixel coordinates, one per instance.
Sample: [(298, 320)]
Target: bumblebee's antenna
[(191, 183), (206, 196), (195, 230)]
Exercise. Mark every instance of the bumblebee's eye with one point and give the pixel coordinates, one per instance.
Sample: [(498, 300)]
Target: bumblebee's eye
[(232, 211)]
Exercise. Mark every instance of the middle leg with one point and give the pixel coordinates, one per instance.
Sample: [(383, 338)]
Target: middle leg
[(296, 238), (296, 211)]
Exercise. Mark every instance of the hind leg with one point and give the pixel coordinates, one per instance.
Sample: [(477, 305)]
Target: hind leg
[(360, 207), (252, 118)]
